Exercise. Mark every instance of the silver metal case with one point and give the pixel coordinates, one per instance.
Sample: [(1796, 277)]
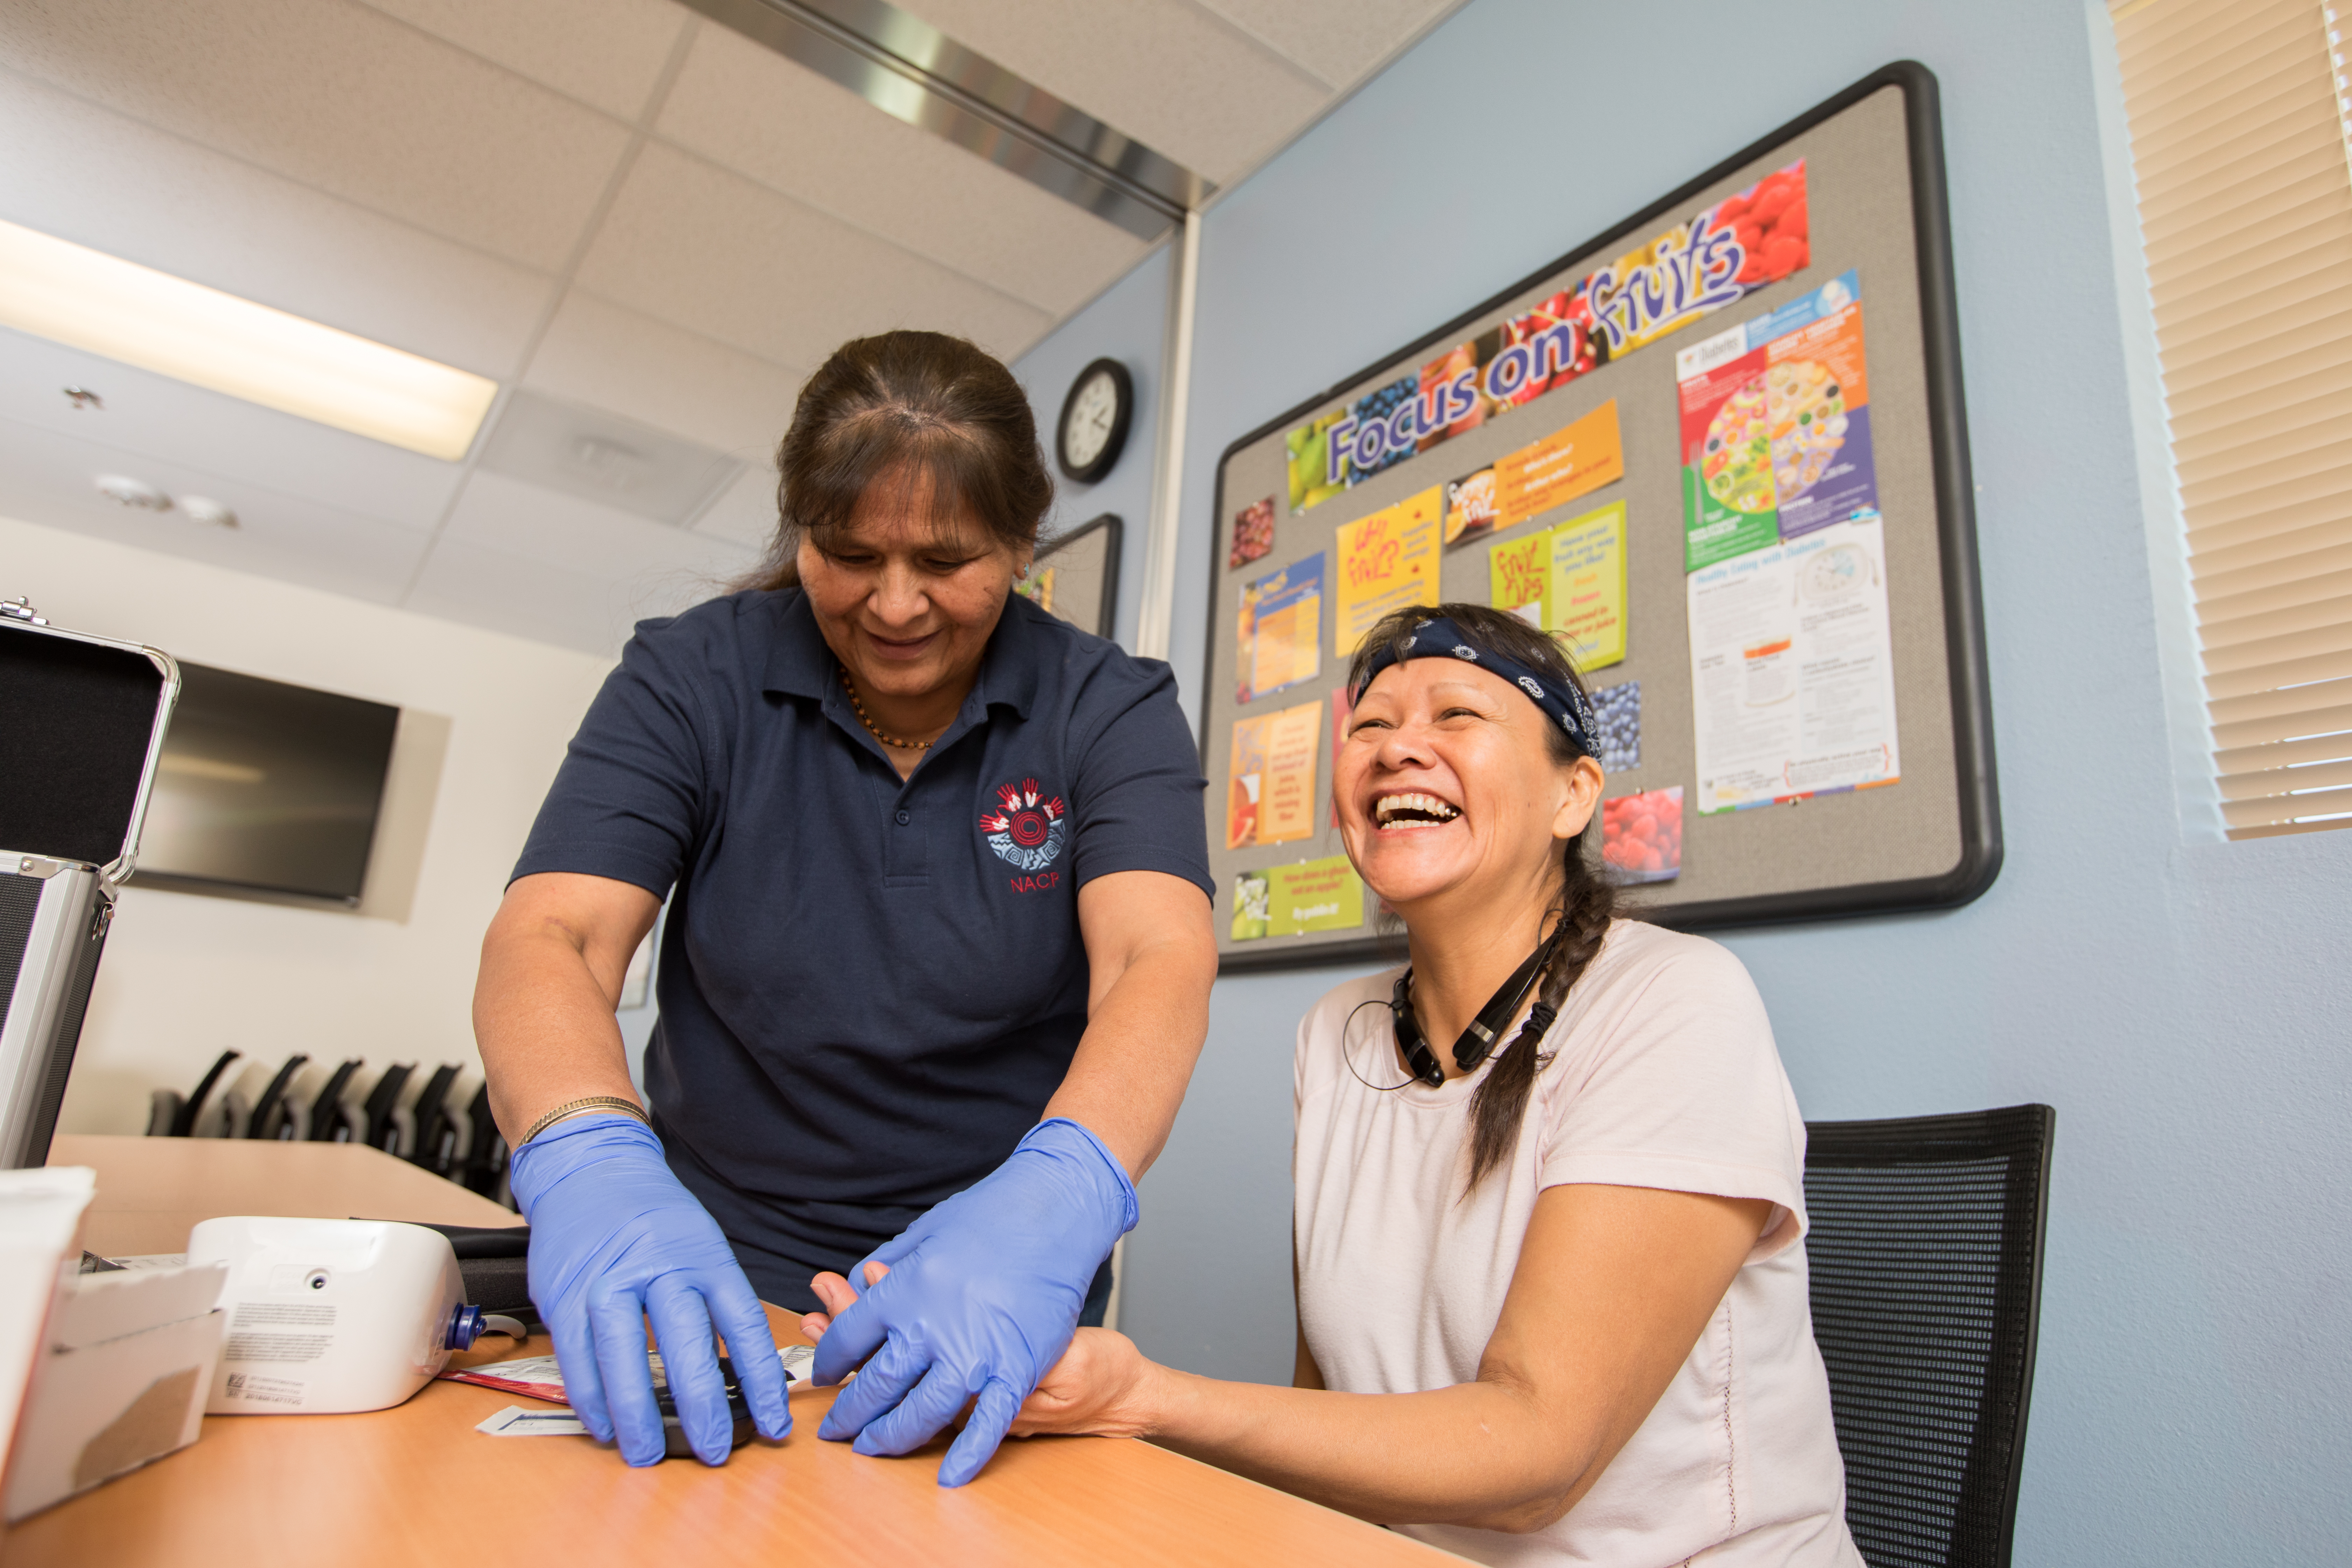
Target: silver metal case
[(57, 898)]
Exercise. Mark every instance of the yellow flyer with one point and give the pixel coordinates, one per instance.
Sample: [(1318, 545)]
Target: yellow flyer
[(1386, 562), (1287, 806), (1573, 461), (1587, 582), (1520, 575), (1314, 895)]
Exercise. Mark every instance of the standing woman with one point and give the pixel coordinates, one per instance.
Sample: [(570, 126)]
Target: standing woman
[(938, 958)]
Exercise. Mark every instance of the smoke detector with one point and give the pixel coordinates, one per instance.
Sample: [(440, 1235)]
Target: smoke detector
[(204, 509), (124, 490), (602, 458)]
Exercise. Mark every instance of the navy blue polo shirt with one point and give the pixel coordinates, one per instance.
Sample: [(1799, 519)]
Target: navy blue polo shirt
[(869, 986)]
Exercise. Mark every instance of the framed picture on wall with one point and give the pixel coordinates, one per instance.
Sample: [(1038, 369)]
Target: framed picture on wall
[(1075, 575)]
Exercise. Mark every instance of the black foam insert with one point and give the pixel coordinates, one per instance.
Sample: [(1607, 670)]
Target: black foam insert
[(77, 719)]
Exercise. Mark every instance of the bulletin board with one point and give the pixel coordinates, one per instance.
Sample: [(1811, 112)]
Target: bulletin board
[(1721, 451)]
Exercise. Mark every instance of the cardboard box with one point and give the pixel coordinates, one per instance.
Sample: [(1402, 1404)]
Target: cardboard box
[(123, 1381)]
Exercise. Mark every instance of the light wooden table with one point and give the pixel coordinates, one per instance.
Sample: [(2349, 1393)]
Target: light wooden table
[(152, 1191), (418, 1485)]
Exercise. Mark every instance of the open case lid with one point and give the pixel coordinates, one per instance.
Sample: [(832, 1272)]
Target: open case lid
[(84, 718)]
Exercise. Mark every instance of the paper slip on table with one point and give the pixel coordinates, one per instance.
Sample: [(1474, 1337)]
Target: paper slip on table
[(418, 1484)]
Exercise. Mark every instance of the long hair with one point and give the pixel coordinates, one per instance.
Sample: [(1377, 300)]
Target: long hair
[(1583, 903), (906, 403)]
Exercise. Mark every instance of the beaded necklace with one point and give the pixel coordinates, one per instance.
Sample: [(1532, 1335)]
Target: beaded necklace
[(871, 727)]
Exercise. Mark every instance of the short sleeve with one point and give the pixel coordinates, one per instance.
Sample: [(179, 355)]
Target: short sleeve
[(1681, 1090), (632, 792), (1138, 795)]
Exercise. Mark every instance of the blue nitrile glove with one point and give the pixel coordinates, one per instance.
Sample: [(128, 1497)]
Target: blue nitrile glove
[(616, 1239), (983, 1296)]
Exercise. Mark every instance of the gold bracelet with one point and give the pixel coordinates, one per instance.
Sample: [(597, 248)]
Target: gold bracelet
[(593, 1102)]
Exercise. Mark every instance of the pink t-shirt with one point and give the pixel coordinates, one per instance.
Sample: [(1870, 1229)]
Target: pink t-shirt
[(1664, 1075)]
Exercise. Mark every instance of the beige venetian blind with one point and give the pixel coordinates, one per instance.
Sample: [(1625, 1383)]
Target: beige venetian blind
[(2238, 126)]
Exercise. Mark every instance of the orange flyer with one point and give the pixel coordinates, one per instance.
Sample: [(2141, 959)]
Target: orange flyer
[(1573, 461), (1245, 779), (1389, 559), (1287, 808)]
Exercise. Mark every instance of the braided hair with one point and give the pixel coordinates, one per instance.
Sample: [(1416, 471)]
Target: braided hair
[(1580, 910)]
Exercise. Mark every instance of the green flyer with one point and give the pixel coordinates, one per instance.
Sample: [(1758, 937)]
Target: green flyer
[(1314, 895)]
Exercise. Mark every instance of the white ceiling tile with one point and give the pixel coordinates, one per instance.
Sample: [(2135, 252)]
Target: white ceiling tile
[(608, 53), (149, 417), (481, 586), (48, 479), (747, 512), (537, 524), (1174, 76), (84, 173), (1337, 40), (749, 109), (342, 97), (478, 586), (607, 356), (702, 248)]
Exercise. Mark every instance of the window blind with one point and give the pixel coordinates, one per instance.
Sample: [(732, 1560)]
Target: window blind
[(2239, 111)]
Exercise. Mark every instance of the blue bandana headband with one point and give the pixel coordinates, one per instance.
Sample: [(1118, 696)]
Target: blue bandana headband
[(1561, 702)]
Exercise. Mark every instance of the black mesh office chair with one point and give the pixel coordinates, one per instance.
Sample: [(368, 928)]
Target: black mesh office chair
[(1926, 1252)]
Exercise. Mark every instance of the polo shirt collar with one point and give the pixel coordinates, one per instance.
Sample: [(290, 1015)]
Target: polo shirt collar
[(800, 664)]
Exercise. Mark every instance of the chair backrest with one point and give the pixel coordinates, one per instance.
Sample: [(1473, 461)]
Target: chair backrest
[(1926, 1256), (326, 1115), (269, 1111), (184, 1121)]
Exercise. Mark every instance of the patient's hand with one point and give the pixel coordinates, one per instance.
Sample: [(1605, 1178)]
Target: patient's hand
[(835, 1292), (1097, 1387)]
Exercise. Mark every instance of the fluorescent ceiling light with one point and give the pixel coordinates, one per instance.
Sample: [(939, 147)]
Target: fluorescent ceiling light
[(132, 313)]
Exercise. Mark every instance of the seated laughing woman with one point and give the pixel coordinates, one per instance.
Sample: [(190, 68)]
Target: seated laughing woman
[(1548, 1180)]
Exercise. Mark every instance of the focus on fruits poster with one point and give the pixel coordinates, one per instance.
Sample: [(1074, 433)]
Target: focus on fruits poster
[(1717, 256)]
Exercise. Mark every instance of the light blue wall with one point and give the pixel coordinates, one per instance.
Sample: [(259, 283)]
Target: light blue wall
[(1128, 324), (2182, 1002)]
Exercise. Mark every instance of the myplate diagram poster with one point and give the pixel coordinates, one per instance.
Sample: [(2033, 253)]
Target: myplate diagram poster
[(1792, 679)]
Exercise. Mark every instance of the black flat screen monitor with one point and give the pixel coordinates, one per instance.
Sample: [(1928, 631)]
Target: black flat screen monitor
[(266, 787)]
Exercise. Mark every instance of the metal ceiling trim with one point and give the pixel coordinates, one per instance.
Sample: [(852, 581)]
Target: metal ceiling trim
[(915, 73)]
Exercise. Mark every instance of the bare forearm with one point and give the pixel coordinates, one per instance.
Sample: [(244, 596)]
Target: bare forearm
[(545, 1028), (1478, 1454), (1128, 1075)]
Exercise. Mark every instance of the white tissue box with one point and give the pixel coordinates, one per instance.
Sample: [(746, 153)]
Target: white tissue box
[(121, 1381)]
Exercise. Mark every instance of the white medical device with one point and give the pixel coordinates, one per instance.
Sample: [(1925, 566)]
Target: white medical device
[(331, 1315)]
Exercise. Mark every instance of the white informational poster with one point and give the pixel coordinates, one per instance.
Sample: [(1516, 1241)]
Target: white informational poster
[(1793, 676)]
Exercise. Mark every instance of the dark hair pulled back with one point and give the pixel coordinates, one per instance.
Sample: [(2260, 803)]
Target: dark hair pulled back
[(912, 402), (1581, 907)]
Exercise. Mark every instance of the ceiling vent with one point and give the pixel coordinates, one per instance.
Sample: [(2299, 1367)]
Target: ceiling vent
[(607, 460)]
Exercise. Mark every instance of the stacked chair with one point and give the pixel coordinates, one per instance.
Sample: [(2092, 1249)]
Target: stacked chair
[(439, 1120)]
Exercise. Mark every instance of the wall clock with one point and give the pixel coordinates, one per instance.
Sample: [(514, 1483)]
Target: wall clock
[(1093, 427)]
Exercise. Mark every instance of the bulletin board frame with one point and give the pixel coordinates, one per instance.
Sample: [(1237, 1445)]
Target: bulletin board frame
[(1092, 549), (1969, 779)]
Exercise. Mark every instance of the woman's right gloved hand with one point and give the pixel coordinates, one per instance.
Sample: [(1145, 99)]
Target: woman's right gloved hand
[(616, 1239)]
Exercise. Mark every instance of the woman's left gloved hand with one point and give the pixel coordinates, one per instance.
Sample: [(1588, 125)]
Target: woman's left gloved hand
[(982, 1299)]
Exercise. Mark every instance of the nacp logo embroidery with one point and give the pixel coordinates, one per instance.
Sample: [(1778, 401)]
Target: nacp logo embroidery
[(1027, 826)]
